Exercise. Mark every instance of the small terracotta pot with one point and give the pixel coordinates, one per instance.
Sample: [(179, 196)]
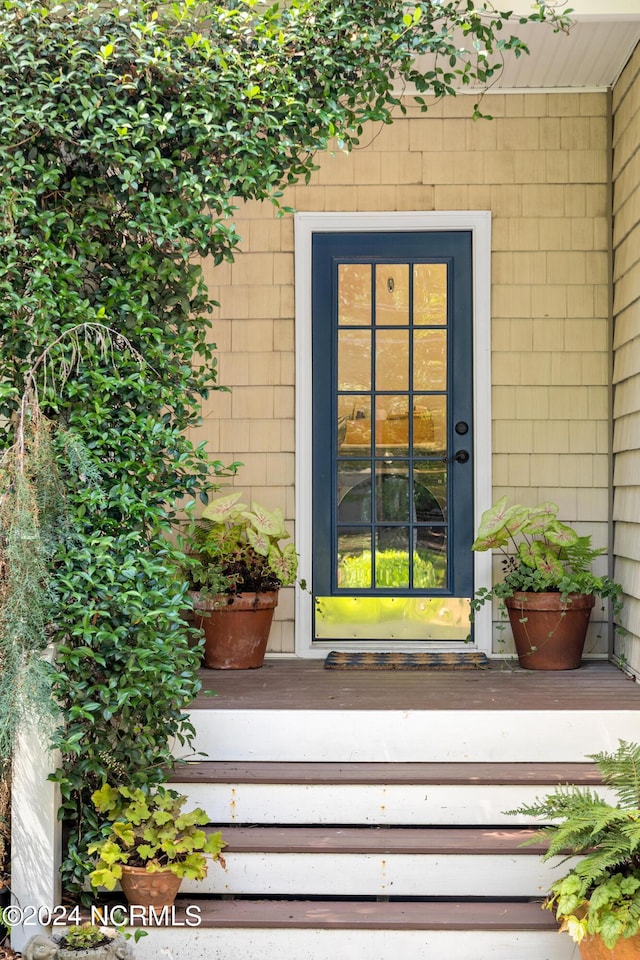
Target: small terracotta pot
[(149, 889), (592, 948), (236, 629), (549, 633)]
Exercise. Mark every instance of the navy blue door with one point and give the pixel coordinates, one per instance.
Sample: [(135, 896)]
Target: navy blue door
[(392, 435)]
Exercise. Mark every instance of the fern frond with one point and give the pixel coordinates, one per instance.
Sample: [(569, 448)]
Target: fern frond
[(621, 771), (579, 821)]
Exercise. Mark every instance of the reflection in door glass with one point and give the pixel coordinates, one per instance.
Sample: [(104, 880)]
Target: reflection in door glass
[(354, 425), (410, 529), (392, 557), (390, 510), (392, 294), (392, 359), (429, 425), (429, 294), (392, 424), (354, 360), (430, 360), (354, 558), (354, 294)]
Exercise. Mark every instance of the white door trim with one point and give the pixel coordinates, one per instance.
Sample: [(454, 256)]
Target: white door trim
[(478, 222)]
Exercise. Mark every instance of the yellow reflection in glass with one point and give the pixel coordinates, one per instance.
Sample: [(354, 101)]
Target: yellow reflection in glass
[(430, 294), (354, 294), (392, 421), (392, 294), (429, 424), (354, 558), (430, 360), (392, 557), (354, 360), (354, 424), (392, 618), (392, 360)]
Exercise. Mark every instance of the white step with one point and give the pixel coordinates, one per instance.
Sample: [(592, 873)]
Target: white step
[(287, 930), (402, 736), (372, 794), (365, 862)]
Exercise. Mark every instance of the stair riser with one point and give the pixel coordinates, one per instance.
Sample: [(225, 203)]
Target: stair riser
[(411, 736), (234, 944), (394, 805), (395, 875)]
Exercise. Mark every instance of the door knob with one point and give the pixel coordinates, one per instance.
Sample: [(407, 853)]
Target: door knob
[(461, 456)]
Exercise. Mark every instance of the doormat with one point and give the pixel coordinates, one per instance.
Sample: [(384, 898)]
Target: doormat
[(471, 660)]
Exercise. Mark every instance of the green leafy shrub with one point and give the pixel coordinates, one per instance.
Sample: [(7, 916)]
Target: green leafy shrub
[(129, 131)]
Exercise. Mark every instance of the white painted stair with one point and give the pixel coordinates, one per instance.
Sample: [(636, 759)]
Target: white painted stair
[(372, 835), (375, 891), (365, 816)]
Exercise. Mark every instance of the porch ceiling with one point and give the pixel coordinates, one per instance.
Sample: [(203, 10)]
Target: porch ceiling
[(591, 56)]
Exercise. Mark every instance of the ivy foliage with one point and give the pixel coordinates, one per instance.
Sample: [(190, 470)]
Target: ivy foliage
[(129, 131)]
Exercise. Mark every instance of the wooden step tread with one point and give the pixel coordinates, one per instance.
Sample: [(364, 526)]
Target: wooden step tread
[(381, 840), (370, 915), (475, 774)]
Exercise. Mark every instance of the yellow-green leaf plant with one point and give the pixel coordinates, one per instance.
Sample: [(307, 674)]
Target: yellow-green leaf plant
[(150, 830)]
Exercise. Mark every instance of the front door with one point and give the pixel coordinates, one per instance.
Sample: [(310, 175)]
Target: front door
[(392, 431)]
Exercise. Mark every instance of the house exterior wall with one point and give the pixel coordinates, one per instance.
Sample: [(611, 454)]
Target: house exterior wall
[(540, 167), (626, 350)]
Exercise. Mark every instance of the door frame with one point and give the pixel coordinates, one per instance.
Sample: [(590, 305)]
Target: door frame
[(478, 223)]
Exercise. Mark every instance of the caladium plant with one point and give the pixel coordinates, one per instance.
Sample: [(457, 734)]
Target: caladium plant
[(533, 537), (235, 549), (540, 554)]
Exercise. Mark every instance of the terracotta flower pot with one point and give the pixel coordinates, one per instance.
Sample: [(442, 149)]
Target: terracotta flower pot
[(236, 629), (549, 633), (149, 889), (592, 948)]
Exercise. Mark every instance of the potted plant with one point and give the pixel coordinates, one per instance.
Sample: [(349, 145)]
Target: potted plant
[(82, 942), (549, 588), (149, 844), (598, 901), (237, 563), (87, 942)]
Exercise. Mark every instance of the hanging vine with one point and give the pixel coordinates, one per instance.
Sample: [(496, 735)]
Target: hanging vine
[(129, 133)]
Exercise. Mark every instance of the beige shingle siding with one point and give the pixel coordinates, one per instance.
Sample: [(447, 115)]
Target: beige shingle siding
[(541, 167), (626, 346)]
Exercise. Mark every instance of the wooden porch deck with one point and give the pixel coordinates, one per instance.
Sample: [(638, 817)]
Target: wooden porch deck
[(296, 684)]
